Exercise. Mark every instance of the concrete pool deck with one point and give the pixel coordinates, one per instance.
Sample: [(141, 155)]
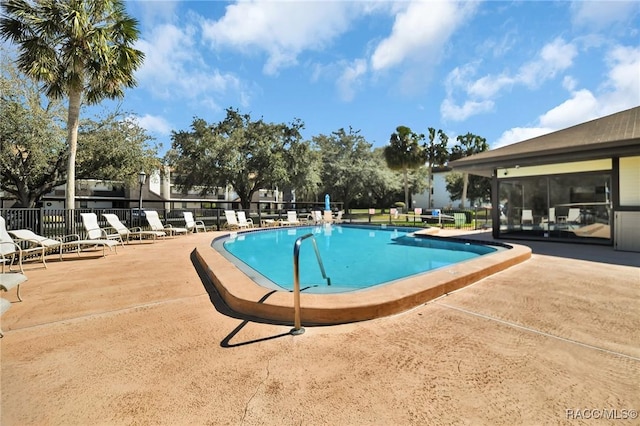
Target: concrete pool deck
[(139, 337)]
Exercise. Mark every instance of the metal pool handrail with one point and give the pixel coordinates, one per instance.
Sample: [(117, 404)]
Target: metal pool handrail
[(296, 279)]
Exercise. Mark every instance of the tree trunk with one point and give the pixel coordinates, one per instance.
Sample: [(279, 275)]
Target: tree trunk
[(465, 184), (429, 181), (73, 118), (406, 190)]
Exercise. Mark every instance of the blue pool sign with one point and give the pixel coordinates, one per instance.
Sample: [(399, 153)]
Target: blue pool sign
[(327, 204)]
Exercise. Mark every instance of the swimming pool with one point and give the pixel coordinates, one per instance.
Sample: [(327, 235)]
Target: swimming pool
[(227, 280), (354, 258)]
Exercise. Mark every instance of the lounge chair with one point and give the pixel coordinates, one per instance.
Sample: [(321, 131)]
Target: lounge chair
[(292, 218), (315, 217), (126, 233), (4, 307), (527, 216), (95, 232), (156, 224), (193, 225), (552, 216), (574, 215), (243, 222), (59, 245), (338, 218), (97, 236), (232, 220), (10, 280), (11, 252)]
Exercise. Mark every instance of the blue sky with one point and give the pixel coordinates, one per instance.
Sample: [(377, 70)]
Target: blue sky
[(506, 71)]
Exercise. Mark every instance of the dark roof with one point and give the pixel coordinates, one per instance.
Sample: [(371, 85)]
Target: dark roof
[(616, 134)]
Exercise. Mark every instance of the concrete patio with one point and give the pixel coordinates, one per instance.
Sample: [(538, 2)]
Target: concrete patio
[(141, 337)]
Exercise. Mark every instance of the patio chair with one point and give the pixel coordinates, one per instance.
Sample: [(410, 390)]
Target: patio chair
[(4, 307), (193, 225), (10, 280), (232, 220), (97, 236), (126, 233), (574, 215), (552, 216), (156, 224), (527, 216), (292, 218), (11, 252), (338, 218), (315, 217), (58, 245), (243, 222)]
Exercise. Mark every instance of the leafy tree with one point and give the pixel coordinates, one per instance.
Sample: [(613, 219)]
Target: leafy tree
[(115, 148), (384, 184), (33, 151), (248, 155), (437, 154), (32, 144), (346, 162), (478, 187), (76, 49), (304, 169), (403, 153), (467, 145)]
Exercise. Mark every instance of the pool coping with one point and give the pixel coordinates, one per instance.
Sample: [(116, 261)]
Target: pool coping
[(244, 296)]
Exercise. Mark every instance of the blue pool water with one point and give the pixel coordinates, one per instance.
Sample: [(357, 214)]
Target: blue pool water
[(354, 257)]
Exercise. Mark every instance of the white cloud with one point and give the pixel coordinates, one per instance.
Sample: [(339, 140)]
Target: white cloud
[(173, 68), (552, 59), (420, 31), (281, 29), (569, 83), (621, 91), (153, 124), (350, 79), (469, 108), (519, 134), (600, 14), (581, 107)]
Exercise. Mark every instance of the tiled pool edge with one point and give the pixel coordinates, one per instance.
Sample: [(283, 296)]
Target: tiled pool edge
[(242, 295)]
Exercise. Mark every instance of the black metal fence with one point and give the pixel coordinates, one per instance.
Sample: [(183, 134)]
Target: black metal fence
[(59, 222)]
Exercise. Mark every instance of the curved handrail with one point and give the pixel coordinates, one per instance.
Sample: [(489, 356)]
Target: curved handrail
[(296, 279)]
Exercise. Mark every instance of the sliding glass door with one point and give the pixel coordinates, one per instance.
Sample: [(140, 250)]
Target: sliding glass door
[(564, 207)]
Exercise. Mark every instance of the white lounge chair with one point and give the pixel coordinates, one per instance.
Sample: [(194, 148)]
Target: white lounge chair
[(126, 233), (292, 218), (58, 245), (232, 220), (338, 218), (193, 225), (11, 280), (243, 222), (552, 216), (97, 236), (11, 252), (156, 224), (527, 216), (574, 215), (316, 217), (4, 307)]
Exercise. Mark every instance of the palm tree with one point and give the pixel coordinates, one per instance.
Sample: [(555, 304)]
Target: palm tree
[(436, 153), (403, 153), (75, 48), (468, 144)]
